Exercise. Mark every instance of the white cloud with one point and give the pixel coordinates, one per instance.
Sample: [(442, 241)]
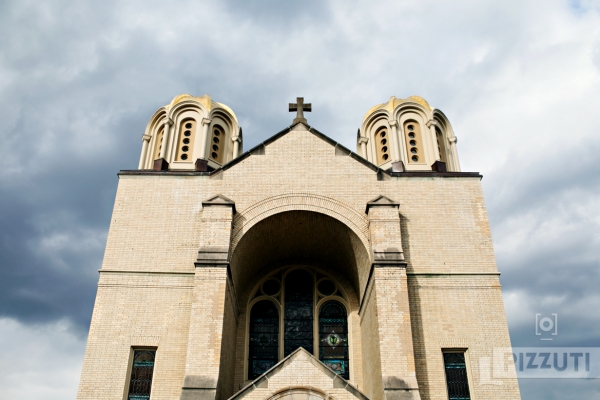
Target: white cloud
[(39, 361)]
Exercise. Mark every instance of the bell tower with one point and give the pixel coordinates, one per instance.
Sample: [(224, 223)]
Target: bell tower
[(408, 135), (191, 133)]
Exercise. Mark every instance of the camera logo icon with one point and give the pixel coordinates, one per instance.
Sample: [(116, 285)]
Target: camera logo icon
[(546, 326)]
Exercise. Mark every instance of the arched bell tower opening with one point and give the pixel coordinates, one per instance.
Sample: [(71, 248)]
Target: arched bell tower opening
[(298, 277)]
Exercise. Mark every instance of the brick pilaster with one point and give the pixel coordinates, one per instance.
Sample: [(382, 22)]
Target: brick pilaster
[(389, 291), (206, 343)]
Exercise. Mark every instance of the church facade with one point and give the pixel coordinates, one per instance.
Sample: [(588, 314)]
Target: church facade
[(298, 269)]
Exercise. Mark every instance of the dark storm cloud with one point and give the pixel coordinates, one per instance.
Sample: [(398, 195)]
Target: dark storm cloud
[(76, 101), (54, 229), (543, 213), (549, 219), (518, 81)]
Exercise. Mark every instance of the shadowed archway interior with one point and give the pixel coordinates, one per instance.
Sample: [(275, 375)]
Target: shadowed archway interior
[(300, 237)]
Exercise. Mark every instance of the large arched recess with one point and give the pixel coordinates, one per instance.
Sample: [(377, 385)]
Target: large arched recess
[(300, 237)]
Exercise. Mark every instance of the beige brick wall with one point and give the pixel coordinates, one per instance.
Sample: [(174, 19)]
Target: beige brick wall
[(157, 228), (137, 310), (463, 312)]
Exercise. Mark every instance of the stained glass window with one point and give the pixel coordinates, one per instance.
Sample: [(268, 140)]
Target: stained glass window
[(456, 376), (264, 338), (142, 369), (333, 337), (299, 303), (321, 331)]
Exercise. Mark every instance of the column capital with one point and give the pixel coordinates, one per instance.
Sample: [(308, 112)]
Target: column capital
[(205, 121), (363, 139), (432, 122), (393, 122), (146, 137), (169, 121), (453, 139), (212, 256), (389, 259)]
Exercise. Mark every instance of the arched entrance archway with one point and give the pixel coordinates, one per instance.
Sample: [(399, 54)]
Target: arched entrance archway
[(298, 238), (257, 212)]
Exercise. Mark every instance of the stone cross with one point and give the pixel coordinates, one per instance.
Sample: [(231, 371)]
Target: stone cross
[(300, 107)]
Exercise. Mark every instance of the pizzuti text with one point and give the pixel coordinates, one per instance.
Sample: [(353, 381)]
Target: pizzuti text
[(565, 361), (540, 362)]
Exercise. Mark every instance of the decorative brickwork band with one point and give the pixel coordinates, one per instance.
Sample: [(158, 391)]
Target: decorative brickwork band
[(144, 340)]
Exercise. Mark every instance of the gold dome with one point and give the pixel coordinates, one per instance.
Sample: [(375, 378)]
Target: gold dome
[(204, 100), (394, 102)]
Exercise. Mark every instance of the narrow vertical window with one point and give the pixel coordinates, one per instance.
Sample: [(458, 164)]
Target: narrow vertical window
[(185, 143), (217, 144), (414, 144), (333, 337), (142, 370), (441, 144), (158, 143), (299, 303), (382, 145), (264, 338), (456, 376)]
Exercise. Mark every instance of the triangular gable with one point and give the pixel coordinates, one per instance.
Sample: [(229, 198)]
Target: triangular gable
[(381, 201), (340, 150), (299, 371), (219, 200)]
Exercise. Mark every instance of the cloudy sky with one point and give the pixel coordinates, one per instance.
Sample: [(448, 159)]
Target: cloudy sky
[(519, 81)]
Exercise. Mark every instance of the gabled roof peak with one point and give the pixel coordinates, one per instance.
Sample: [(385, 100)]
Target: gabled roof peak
[(338, 148)]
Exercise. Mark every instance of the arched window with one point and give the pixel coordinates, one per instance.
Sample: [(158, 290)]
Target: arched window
[(217, 144), (295, 295), (264, 338), (333, 337), (414, 144), (382, 145), (158, 142), (299, 305), (441, 144), (185, 142)]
